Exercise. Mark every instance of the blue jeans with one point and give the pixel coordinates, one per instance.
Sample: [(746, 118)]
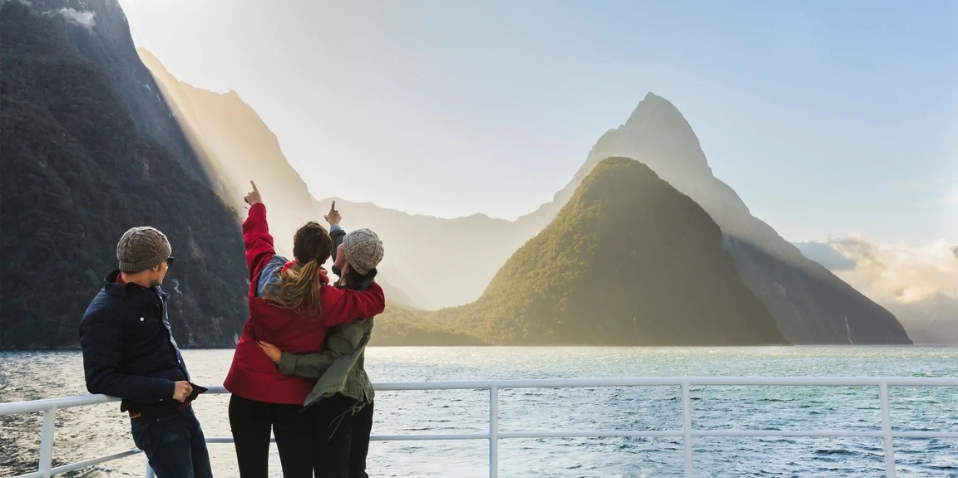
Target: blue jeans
[(174, 445)]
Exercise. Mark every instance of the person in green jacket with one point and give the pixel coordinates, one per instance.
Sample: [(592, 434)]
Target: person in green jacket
[(341, 403)]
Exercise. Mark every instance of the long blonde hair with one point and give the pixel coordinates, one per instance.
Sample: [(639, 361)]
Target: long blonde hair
[(299, 285)]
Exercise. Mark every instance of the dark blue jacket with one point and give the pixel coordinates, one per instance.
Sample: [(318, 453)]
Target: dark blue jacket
[(128, 347)]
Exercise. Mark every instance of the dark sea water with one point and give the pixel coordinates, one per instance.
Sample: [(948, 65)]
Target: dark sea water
[(89, 432)]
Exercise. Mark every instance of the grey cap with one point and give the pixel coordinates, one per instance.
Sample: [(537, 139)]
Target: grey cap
[(363, 250), (142, 248)]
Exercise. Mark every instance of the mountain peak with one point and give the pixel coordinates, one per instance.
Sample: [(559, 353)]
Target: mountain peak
[(651, 97), (655, 108)]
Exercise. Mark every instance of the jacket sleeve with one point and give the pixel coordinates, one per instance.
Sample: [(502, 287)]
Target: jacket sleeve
[(344, 340), (343, 305), (259, 243), (101, 339), (337, 234)]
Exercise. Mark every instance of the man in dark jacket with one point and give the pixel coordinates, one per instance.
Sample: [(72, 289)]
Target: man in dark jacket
[(129, 352)]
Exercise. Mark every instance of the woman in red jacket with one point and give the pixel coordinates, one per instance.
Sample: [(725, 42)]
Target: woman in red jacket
[(291, 306)]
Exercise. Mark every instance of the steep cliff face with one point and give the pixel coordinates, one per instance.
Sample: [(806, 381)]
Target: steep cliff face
[(98, 32), (235, 147), (77, 172)]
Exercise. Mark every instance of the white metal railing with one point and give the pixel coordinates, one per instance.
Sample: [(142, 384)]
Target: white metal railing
[(49, 409)]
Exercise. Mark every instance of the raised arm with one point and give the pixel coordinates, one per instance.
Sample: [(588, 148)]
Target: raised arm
[(337, 234), (259, 243)]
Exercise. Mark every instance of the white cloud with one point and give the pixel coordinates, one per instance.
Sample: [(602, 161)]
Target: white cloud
[(82, 18), (900, 274)]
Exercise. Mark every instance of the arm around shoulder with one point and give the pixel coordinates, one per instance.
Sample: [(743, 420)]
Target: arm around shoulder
[(342, 305), (343, 340)]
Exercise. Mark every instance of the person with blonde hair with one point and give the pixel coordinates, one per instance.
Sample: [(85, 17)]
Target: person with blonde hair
[(341, 403), (293, 306)]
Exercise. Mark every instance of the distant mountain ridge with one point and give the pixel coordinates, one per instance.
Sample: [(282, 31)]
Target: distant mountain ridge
[(931, 321), (216, 143), (235, 147), (809, 303), (916, 284)]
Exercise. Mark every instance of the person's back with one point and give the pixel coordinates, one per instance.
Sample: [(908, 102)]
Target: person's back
[(129, 352), (290, 303), (254, 376), (341, 403)]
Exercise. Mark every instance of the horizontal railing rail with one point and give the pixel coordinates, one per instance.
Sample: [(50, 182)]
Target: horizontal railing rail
[(50, 406)]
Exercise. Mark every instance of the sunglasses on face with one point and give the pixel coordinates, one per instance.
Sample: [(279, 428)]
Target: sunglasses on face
[(169, 261)]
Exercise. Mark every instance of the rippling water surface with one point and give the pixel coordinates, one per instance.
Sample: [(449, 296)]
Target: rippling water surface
[(89, 432)]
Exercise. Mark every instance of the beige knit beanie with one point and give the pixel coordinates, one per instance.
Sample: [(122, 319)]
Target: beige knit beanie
[(363, 250)]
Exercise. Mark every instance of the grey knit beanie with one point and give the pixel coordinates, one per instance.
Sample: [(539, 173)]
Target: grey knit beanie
[(363, 250), (142, 248)]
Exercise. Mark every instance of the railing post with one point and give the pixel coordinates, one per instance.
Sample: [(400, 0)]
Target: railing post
[(46, 441), (886, 428), (687, 427), (493, 431)]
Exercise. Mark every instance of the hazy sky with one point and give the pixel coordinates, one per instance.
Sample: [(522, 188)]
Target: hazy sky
[(828, 118)]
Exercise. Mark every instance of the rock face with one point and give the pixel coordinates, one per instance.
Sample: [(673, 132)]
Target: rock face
[(628, 261), (78, 170), (98, 32)]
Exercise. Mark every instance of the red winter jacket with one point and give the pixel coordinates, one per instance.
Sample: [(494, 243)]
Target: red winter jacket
[(253, 375)]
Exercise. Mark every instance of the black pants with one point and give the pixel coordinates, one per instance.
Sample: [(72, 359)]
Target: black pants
[(251, 421), (342, 439)]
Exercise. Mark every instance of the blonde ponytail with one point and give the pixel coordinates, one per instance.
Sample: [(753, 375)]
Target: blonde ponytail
[(300, 285)]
